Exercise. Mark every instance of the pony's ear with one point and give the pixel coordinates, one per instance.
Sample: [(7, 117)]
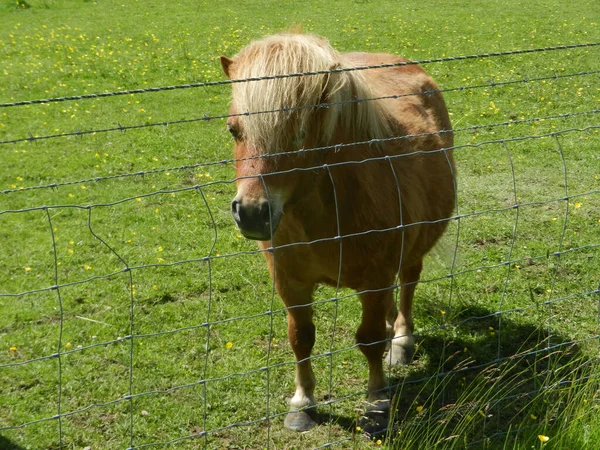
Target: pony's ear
[(295, 28), (226, 64)]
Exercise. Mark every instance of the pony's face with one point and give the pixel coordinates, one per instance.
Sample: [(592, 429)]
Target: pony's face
[(277, 118), (255, 209), (267, 179)]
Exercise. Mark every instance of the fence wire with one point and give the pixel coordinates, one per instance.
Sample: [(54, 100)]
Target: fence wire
[(303, 74), (319, 149), (546, 350), (207, 117)]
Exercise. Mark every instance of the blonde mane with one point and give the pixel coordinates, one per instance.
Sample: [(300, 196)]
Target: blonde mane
[(278, 129)]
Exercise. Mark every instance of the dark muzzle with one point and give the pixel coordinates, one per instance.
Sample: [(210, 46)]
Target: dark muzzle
[(255, 220)]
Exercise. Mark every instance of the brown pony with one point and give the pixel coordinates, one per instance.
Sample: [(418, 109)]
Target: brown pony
[(374, 208)]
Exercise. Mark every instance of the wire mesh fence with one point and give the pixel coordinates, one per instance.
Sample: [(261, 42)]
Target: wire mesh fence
[(135, 313)]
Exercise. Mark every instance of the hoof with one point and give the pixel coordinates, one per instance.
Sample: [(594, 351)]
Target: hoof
[(301, 420), (399, 355), (375, 420)]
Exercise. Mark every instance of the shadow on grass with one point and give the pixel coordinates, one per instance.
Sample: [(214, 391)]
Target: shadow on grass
[(478, 383), (6, 444)]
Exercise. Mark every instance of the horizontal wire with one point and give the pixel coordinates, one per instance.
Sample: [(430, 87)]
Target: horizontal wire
[(293, 244), (337, 299), (329, 147), (299, 74), (206, 117), (334, 443), (310, 358), (271, 249), (320, 404), (423, 334), (312, 168)]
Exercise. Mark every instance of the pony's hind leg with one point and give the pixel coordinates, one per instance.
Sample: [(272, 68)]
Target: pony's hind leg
[(371, 338), (403, 346), (390, 320), (301, 335)]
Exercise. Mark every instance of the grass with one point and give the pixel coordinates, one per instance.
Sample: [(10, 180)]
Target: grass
[(160, 224)]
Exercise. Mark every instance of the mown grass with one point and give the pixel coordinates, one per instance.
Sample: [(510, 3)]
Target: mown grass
[(162, 224)]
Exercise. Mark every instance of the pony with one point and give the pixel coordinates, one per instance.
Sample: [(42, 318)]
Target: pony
[(344, 176)]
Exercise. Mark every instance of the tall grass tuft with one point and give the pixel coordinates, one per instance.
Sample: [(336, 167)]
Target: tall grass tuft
[(535, 399)]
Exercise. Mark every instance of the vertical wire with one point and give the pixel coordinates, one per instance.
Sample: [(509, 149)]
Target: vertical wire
[(397, 279), (508, 266), (400, 225), (270, 313), (452, 267), (510, 251), (562, 237), (598, 320), (131, 326), (557, 255), (208, 311), (337, 288), (60, 329)]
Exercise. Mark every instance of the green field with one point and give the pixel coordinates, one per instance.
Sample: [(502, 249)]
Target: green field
[(164, 318)]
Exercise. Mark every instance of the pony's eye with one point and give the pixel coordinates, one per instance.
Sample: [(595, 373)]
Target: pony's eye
[(233, 130)]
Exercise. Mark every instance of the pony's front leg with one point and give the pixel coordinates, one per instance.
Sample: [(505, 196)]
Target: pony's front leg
[(301, 334), (370, 337)]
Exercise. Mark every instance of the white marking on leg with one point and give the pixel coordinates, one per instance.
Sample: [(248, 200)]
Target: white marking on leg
[(305, 387)]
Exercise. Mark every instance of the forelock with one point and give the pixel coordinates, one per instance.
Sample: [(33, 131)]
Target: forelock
[(280, 107)]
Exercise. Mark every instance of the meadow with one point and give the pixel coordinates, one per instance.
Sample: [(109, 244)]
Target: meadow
[(134, 315)]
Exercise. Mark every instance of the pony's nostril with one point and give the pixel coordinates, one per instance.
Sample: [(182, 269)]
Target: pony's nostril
[(235, 209), (253, 218), (265, 212)]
